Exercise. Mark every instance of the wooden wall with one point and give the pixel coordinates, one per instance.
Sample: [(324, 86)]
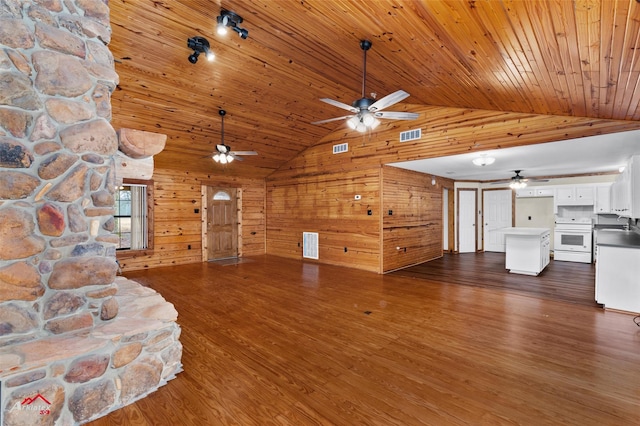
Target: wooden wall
[(411, 218), (348, 234), (178, 219), (326, 204)]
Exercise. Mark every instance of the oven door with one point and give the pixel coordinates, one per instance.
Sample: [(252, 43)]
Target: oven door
[(572, 240)]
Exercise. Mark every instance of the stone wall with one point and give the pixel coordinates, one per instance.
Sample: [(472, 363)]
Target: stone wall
[(58, 289), (57, 257)]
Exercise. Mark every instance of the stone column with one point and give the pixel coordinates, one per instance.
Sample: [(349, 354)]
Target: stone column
[(57, 254)]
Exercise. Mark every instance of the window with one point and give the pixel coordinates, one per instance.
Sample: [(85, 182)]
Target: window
[(133, 215)]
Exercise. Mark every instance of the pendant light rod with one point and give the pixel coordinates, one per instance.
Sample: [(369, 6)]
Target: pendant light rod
[(364, 45), (222, 114)]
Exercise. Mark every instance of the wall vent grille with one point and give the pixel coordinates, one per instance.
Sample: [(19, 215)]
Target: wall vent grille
[(340, 148), (410, 135), (310, 245)]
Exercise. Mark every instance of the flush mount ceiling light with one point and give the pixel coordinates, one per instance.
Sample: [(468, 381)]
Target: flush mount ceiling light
[(199, 45), (231, 20), (483, 160)]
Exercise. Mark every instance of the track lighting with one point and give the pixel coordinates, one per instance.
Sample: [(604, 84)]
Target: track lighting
[(199, 45), (231, 20)]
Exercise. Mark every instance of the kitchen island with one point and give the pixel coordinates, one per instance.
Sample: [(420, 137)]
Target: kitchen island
[(618, 270), (527, 249)]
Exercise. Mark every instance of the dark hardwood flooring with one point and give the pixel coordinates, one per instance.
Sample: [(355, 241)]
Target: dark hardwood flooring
[(286, 342), (565, 281)]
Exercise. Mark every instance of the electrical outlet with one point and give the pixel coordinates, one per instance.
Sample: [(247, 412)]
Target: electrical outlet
[(345, 249), (369, 212), (196, 210), (189, 247), (390, 212)]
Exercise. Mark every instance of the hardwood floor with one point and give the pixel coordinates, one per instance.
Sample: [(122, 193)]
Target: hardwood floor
[(280, 341), (566, 281)]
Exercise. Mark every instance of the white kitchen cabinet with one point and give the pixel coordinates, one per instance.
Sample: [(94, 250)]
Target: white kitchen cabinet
[(574, 196), (625, 192), (527, 250), (617, 283), (535, 191), (542, 191), (602, 204), (525, 192)]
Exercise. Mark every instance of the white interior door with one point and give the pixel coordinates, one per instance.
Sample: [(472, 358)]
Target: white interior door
[(497, 215), (467, 221)]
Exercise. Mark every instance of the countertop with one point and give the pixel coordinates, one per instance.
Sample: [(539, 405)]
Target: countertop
[(618, 238), (524, 231)]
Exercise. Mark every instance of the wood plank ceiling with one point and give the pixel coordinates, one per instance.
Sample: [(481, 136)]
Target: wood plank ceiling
[(567, 58)]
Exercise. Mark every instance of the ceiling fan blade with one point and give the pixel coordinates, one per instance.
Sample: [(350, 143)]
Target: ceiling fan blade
[(340, 105), (234, 153), (332, 119), (388, 100), (393, 115), (235, 157)]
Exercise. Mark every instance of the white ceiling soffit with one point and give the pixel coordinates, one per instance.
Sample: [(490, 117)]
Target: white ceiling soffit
[(594, 154)]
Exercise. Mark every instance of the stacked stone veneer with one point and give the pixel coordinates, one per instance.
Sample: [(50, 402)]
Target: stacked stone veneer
[(75, 341)]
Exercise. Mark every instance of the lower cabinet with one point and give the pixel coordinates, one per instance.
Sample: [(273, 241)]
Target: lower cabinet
[(527, 254), (617, 278)]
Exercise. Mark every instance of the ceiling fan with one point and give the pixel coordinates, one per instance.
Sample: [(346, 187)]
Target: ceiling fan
[(518, 181), (223, 153), (366, 111)]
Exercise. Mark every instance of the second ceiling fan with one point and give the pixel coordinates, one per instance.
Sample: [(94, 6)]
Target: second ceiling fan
[(366, 111), (224, 154), (518, 181)]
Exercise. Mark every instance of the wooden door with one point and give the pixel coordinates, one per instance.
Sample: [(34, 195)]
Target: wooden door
[(497, 214), (467, 234), (222, 223)]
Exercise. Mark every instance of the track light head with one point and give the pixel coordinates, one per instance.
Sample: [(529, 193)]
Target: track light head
[(241, 32), (231, 20), (199, 45)]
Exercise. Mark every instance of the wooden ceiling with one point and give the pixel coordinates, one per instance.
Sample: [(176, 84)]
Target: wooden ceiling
[(567, 58)]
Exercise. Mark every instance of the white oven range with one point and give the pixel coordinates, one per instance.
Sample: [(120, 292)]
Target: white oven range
[(573, 240)]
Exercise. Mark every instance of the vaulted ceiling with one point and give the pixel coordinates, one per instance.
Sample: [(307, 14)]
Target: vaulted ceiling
[(575, 58)]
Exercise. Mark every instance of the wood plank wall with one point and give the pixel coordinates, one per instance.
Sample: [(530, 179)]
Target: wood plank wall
[(412, 218), (177, 225), (325, 203)]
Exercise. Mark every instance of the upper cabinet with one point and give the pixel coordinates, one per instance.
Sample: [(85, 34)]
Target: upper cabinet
[(535, 191), (574, 195), (603, 199), (625, 192)]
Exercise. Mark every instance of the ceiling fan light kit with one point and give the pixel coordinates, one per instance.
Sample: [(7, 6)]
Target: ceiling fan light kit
[(517, 181), (366, 112)]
